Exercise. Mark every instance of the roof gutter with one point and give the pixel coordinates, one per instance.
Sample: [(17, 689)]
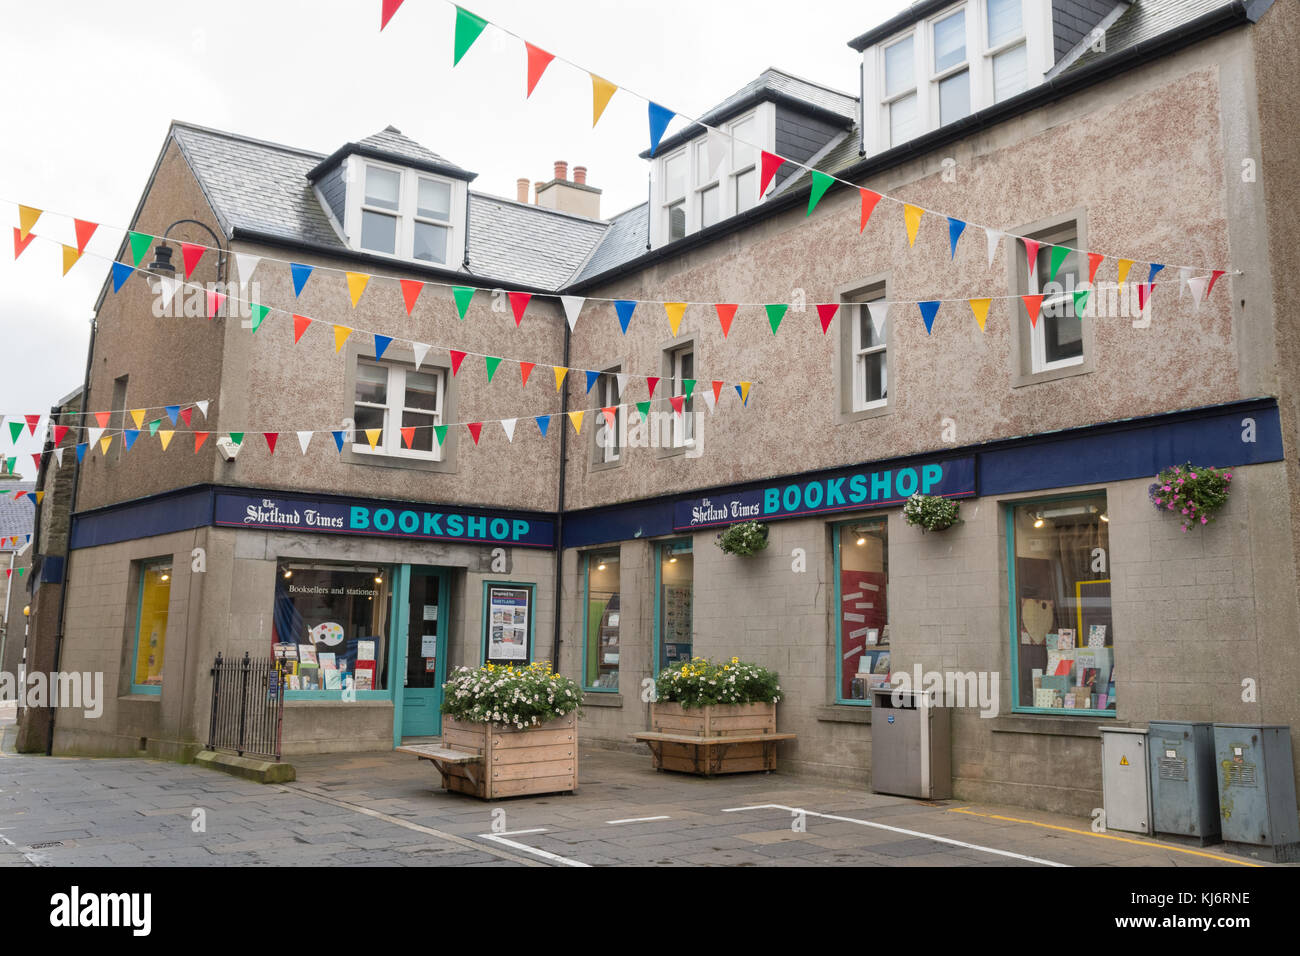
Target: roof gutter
[(1193, 31), (744, 103)]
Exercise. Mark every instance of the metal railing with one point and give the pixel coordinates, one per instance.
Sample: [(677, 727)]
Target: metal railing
[(247, 706)]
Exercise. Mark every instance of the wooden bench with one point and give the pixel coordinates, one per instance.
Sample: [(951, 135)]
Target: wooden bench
[(445, 759), (728, 753)]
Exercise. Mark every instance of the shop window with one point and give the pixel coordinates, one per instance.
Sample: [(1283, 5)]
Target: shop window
[(1062, 632), (392, 398), (336, 619), (601, 654), (861, 609), (151, 627), (676, 579)]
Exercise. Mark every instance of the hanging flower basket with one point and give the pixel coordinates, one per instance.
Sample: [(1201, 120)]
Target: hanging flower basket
[(746, 538), (930, 512), (1194, 493)]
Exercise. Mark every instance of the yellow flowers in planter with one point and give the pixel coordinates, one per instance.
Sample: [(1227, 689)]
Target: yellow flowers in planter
[(700, 682)]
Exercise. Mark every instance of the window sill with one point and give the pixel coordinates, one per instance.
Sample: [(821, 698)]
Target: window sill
[(1051, 375), (142, 695), (863, 414), (844, 714), (606, 465), (1052, 726), (597, 698)]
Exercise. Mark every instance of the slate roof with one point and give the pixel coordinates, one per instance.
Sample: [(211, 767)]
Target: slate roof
[(525, 243), (390, 140), (1142, 21), (16, 516), (623, 242)]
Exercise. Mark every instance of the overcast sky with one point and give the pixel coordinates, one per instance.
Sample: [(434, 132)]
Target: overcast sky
[(91, 87)]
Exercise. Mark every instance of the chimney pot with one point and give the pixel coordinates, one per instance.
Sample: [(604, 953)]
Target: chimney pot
[(561, 170), (580, 175), (521, 189), (537, 189)]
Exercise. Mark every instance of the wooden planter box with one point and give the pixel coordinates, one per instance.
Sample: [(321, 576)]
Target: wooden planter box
[(541, 759), (719, 738)]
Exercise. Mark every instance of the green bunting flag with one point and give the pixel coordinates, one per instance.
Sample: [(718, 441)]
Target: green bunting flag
[(820, 183), (260, 312), (775, 313), (1080, 302), (1058, 256), (154, 426), (140, 244), (468, 27), (9, 464), (492, 362), (441, 432), (688, 387), (462, 295), (237, 437), (15, 429), (643, 409)]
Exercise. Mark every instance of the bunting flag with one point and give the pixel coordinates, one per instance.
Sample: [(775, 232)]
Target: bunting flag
[(381, 345), (928, 311), (357, 282), (169, 286), (341, 333), (716, 145), (70, 257), (15, 429), (140, 246), (411, 290), (300, 323), (601, 92), (543, 423), (1144, 295), (271, 439), (980, 309), (491, 362), (215, 299), (678, 402), (104, 443), (59, 432), (560, 372), (1031, 254), (386, 12), (58, 457), (912, 216), (659, 120), (688, 387), (166, 438), (300, 274), (651, 383), (260, 312), (372, 436), (199, 439), (191, 253), (643, 409), (1094, 260), (154, 426), (726, 312), (304, 439), (245, 264), (418, 351), (84, 231), (408, 435), (820, 183), (592, 378), (1080, 303), (20, 243), (137, 416), (27, 216), (994, 239), (339, 436), (743, 391), (518, 303), (1151, 277), (1197, 287), (717, 391), (32, 422), (826, 313), (1214, 277), (622, 379), (879, 312), (36, 460), (538, 61), (1032, 305), (1058, 256), (624, 308), (525, 370), (675, 312), (1184, 274), (468, 28), (575, 419), (475, 429), (237, 437), (775, 313), (81, 452), (102, 419), (869, 200), (508, 426), (609, 414), (462, 295), (1124, 266), (572, 307), (955, 229), (172, 411), (121, 272), (770, 163), (187, 413), (456, 358)]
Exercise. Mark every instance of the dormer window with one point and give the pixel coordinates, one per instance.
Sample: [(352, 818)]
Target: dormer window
[(405, 213)]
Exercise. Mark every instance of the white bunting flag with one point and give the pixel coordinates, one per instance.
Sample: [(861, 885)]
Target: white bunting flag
[(508, 426), (994, 237), (58, 457), (879, 311), (203, 407), (572, 306), (304, 439), (246, 263), (1184, 274), (717, 149), (95, 434), (622, 378), (420, 350), (1197, 287), (168, 286), (709, 399)]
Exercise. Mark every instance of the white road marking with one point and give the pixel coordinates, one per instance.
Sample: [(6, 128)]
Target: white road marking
[(914, 833), (519, 832), (635, 820), (554, 857)]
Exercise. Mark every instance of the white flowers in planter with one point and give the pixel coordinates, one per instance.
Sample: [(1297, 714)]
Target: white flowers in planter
[(930, 512)]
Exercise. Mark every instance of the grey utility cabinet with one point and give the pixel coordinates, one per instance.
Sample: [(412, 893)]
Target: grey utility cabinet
[(911, 754), (1125, 780), (1184, 780), (1257, 790)]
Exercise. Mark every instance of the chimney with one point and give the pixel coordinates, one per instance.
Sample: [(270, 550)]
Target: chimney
[(573, 196), (537, 190), (521, 189)]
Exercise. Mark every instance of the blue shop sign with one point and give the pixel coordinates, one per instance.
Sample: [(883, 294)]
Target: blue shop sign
[(846, 490), (382, 519)]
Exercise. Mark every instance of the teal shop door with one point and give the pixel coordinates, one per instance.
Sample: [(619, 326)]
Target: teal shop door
[(426, 653)]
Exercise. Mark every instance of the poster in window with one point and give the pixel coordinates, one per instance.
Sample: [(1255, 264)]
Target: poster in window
[(507, 618)]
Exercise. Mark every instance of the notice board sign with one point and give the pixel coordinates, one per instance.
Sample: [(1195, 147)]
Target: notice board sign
[(507, 622)]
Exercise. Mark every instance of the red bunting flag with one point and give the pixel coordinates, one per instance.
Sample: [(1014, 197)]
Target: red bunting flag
[(1144, 295), (771, 163), (1032, 304), (102, 418), (725, 314), (185, 415), (519, 302), (215, 299), (475, 429), (32, 422), (408, 435), (1031, 253), (20, 243), (271, 439), (1214, 277), (411, 290), (1094, 260), (717, 391), (651, 382), (36, 460), (84, 231), (526, 369), (826, 313), (199, 439), (456, 359), (538, 61), (677, 402), (609, 414), (386, 12), (869, 200), (191, 254), (300, 323), (59, 432)]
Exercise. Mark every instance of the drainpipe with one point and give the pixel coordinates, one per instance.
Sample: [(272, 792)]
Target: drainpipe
[(4, 618), (559, 511)]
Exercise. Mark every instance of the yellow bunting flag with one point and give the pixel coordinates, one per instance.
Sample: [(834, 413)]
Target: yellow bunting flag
[(357, 285), (744, 392), (674, 310), (981, 309), (372, 436), (104, 443), (40, 495), (601, 91), (913, 216), (138, 415), (560, 372), (341, 333), (166, 437), (70, 257), (1124, 266), (576, 419), (27, 216)]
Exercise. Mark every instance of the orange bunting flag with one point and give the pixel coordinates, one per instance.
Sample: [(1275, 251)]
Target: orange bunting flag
[(1032, 305), (20, 243), (300, 323), (609, 414), (341, 333), (27, 216), (675, 311), (869, 200), (538, 61), (725, 315), (408, 435), (1094, 260), (717, 391), (411, 290), (576, 419), (601, 92), (84, 231), (102, 418), (980, 307), (475, 430), (525, 370), (70, 257), (357, 282), (912, 214), (199, 439), (560, 372)]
